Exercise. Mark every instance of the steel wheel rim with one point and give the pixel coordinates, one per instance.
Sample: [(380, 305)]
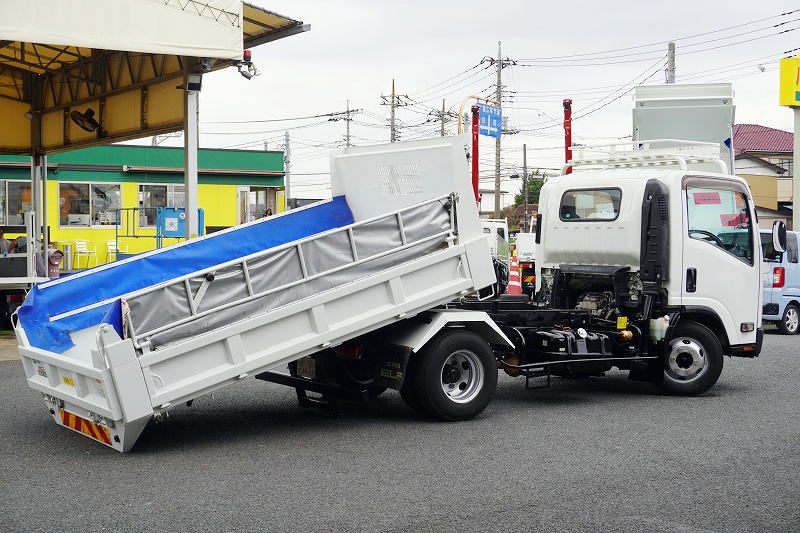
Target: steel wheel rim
[(462, 376), (792, 319), (687, 361)]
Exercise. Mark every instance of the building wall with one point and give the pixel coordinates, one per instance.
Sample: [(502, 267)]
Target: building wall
[(764, 190), (218, 193)]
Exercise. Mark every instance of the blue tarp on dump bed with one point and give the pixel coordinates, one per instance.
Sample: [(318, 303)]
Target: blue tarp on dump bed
[(108, 283)]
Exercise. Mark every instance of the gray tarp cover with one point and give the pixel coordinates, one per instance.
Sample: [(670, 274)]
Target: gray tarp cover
[(282, 267)]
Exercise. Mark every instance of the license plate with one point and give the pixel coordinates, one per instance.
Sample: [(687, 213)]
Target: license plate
[(305, 367)]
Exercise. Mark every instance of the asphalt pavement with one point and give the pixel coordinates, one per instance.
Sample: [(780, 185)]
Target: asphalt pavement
[(602, 454)]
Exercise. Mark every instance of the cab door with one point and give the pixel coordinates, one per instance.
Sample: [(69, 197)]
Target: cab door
[(722, 255)]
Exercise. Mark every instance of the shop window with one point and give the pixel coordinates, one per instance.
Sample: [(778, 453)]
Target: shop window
[(152, 196), (19, 200), (106, 200), (88, 204)]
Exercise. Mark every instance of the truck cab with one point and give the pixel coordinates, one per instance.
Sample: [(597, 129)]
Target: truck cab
[(645, 239)]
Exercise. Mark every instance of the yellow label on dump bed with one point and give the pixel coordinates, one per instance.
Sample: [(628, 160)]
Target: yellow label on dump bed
[(622, 322), (68, 380)]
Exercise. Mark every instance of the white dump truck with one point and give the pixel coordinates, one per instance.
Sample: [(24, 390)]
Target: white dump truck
[(381, 287)]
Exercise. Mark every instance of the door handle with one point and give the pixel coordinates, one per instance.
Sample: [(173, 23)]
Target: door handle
[(691, 279)]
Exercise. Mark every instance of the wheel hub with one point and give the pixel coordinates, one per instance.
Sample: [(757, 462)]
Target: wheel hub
[(792, 319), (462, 376), (686, 359), (451, 374)]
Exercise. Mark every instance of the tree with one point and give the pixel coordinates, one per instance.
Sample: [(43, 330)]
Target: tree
[(535, 182)]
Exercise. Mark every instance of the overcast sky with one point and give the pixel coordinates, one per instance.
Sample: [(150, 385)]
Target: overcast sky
[(355, 48)]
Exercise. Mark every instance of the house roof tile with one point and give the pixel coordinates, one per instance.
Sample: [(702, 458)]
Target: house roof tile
[(757, 138)]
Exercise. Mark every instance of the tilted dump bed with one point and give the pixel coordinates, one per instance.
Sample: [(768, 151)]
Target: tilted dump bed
[(112, 346)]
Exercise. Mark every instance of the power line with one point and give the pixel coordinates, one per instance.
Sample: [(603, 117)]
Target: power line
[(787, 13), (333, 114)]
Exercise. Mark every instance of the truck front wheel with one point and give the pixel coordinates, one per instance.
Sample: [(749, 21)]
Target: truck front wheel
[(694, 360), (453, 377)]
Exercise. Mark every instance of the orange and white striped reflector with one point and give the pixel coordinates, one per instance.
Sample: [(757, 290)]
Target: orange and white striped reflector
[(514, 285), (529, 279), (90, 429)]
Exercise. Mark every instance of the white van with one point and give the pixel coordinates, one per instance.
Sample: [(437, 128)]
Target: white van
[(781, 283)]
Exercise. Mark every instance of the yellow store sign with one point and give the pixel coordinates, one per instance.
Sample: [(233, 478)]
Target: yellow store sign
[(790, 82)]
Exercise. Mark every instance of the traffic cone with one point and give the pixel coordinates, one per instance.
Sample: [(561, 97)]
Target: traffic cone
[(514, 285)]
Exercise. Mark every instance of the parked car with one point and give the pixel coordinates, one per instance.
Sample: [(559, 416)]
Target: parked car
[(781, 282)]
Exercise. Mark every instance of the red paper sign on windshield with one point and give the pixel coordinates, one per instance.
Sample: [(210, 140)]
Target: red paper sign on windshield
[(733, 220), (706, 198)]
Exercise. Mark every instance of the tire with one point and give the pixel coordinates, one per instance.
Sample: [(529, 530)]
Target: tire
[(790, 323), (453, 378), (693, 362)]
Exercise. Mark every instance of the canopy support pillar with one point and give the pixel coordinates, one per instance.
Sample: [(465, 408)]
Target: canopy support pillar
[(191, 106)]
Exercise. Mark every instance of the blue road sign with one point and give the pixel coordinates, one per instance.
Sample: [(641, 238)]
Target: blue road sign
[(490, 120)]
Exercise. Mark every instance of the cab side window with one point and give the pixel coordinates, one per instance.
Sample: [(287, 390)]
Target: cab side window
[(590, 205), (720, 216)]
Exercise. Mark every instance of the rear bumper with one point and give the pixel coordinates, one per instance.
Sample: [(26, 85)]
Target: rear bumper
[(748, 350), (771, 312)]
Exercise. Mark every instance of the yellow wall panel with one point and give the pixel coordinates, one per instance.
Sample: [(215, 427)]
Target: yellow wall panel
[(15, 132), (218, 203), (53, 128), (165, 103), (280, 201), (123, 112)]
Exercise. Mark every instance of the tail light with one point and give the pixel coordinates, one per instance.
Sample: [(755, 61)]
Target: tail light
[(778, 276)]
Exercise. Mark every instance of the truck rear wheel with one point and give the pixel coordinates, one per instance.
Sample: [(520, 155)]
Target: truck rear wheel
[(694, 360), (453, 378), (790, 323)]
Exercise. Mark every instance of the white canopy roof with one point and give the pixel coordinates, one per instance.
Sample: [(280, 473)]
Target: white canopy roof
[(207, 28)]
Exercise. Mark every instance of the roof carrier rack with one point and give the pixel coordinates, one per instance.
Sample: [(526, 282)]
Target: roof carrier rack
[(655, 152)]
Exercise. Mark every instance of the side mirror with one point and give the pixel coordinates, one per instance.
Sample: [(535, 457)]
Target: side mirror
[(779, 236)]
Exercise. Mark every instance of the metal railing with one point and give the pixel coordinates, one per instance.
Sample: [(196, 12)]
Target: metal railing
[(646, 153), (141, 339)]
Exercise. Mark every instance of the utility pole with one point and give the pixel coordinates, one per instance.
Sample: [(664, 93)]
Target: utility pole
[(499, 97), (347, 121), (671, 63), (499, 64), (441, 116), (287, 168), (393, 133), (525, 184), (393, 101)]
